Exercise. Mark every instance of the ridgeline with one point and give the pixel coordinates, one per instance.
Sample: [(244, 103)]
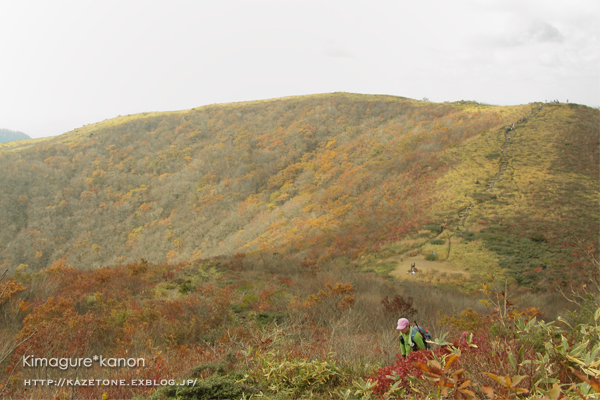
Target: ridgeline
[(6, 135), (358, 177), (263, 249)]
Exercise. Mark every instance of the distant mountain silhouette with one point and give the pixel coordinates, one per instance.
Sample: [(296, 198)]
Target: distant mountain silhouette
[(7, 135)]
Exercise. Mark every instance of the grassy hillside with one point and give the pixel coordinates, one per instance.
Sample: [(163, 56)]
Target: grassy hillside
[(272, 327), (323, 177), (251, 249), (522, 202)]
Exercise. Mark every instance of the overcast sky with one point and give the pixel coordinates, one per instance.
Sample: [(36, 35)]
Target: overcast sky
[(64, 64)]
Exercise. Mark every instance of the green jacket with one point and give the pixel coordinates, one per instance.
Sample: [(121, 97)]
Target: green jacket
[(405, 347)]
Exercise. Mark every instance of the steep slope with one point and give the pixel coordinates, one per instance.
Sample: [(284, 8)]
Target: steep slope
[(333, 175), (521, 200), (544, 198)]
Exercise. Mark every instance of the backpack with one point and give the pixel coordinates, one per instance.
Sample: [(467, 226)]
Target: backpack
[(413, 331)]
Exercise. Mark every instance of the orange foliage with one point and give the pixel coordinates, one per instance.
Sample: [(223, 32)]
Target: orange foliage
[(10, 288)]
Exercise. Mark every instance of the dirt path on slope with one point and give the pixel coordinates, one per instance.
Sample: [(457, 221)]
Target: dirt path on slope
[(424, 267)]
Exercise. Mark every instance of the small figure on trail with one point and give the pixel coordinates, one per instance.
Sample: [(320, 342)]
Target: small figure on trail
[(506, 131), (441, 228), (410, 338), (412, 269)]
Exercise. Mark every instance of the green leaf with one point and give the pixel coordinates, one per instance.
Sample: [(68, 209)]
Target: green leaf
[(594, 353), (530, 324), (575, 351), (520, 324), (520, 354), (576, 360)]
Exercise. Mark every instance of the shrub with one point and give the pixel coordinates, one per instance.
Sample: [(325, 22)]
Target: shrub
[(294, 377), (467, 320), (210, 368), (215, 387), (269, 317), (403, 370), (398, 306), (431, 256), (538, 238)]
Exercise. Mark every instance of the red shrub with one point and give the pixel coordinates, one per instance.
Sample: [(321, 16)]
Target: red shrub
[(403, 368)]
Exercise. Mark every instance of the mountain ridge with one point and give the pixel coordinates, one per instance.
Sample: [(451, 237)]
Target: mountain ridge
[(6, 135), (320, 176)]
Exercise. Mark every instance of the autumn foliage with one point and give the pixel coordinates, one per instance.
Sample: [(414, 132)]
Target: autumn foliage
[(248, 246)]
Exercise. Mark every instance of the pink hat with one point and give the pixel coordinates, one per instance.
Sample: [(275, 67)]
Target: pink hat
[(402, 323)]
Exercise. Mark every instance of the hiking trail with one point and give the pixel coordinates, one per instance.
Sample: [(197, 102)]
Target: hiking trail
[(427, 269)]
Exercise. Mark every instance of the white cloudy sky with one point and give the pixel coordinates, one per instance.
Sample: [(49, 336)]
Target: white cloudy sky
[(64, 64)]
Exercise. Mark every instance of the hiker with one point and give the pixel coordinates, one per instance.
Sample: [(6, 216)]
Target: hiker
[(408, 342)]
